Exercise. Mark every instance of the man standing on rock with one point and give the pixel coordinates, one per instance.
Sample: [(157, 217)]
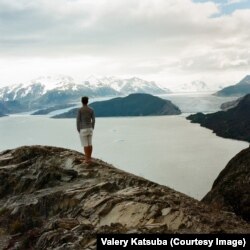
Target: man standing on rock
[(85, 126)]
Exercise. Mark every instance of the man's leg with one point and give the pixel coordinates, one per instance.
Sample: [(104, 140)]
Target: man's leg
[(85, 152), (88, 154), (90, 146), (89, 149)]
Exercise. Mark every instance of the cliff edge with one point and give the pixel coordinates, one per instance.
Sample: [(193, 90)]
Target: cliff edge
[(231, 189), (50, 200), (233, 123)]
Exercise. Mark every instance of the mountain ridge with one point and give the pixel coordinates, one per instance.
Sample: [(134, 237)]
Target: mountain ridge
[(131, 105), (45, 92), (233, 123), (42, 85), (239, 89)]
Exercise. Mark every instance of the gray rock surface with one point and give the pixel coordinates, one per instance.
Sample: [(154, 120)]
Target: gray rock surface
[(231, 189), (49, 199)]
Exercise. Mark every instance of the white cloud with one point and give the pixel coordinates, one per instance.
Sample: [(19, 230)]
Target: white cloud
[(166, 40), (230, 2)]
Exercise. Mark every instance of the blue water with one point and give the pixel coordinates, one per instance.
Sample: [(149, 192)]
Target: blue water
[(168, 149)]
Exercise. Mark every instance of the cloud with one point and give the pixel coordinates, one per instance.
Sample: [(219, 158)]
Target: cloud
[(148, 37), (230, 2), (89, 26)]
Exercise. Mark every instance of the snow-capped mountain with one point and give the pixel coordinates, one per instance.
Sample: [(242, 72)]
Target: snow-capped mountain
[(126, 86), (47, 91), (21, 91), (59, 82), (194, 86)]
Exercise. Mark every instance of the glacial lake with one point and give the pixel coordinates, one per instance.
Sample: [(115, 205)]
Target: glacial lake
[(168, 149)]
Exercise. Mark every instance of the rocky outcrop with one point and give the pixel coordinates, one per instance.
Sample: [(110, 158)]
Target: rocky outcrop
[(231, 189), (49, 199), (131, 105), (233, 123)]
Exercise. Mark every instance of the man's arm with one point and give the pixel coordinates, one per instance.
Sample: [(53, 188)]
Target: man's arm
[(78, 120), (93, 119)]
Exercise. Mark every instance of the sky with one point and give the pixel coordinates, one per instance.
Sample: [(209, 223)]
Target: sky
[(168, 41)]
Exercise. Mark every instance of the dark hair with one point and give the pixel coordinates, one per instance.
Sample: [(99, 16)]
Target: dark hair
[(85, 100)]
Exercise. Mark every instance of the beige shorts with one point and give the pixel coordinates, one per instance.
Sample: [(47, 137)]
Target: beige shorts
[(86, 137)]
